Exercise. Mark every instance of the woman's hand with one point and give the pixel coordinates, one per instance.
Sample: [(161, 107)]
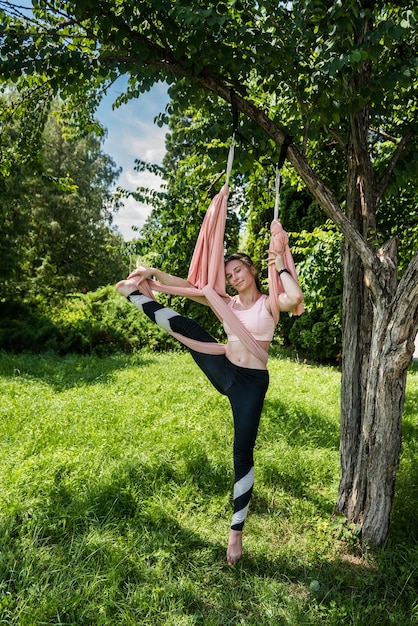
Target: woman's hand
[(276, 259), (142, 273)]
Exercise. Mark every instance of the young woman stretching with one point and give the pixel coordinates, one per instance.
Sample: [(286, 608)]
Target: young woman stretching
[(238, 373)]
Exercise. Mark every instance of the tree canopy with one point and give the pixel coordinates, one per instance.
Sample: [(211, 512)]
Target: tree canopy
[(294, 67)]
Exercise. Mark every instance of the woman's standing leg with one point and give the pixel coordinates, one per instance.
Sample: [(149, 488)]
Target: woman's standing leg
[(246, 397)]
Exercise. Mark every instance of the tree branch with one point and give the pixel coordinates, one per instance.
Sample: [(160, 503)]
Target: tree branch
[(389, 170), (338, 138), (325, 197), (384, 134), (161, 58)]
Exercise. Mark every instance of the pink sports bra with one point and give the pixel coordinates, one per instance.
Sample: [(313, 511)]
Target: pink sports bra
[(257, 320)]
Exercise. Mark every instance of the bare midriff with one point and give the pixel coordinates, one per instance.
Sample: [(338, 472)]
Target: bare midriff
[(238, 354)]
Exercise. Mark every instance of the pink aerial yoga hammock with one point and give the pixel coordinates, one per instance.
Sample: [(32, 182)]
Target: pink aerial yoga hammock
[(207, 274)]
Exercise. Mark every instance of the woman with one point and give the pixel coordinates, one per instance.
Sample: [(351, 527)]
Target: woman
[(239, 373)]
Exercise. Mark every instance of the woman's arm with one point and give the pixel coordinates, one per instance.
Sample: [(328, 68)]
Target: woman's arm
[(292, 295), (145, 272)]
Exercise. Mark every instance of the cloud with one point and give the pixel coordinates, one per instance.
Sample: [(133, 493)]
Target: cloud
[(134, 213), (131, 180), (132, 134), (128, 141), (131, 214)]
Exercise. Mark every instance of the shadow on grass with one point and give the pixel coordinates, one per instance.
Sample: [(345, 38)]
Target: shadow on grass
[(352, 588), (112, 548), (65, 372), (83, 543), (299, 428)]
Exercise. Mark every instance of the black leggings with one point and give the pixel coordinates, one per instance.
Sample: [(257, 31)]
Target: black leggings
[(244, 387)]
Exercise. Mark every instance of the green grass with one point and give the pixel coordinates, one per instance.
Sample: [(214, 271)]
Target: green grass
[(115, 501)]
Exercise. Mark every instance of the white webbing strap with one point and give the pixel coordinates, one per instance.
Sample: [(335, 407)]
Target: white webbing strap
[(282, 156), (277, 200), (230, 159)]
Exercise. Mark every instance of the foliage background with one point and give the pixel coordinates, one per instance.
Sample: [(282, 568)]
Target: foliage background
[(56, 212)]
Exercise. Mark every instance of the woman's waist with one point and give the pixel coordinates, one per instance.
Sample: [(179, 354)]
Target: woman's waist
[(238, 354)]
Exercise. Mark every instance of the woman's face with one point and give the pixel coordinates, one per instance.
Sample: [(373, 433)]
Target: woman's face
[(239, 275)]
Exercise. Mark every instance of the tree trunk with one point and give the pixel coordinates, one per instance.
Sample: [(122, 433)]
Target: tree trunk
[(355, 349), (372, 400), (377, 349), (371, 438), (380, 436)]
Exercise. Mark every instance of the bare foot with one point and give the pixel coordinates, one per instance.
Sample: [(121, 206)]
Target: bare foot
[(234, 550), (126, 287)]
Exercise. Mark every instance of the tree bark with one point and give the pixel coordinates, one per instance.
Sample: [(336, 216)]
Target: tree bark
[(371, 438), (377, 349)]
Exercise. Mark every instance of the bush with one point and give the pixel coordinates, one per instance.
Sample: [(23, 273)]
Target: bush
[(100, 323), (23, 326), (318, 332)]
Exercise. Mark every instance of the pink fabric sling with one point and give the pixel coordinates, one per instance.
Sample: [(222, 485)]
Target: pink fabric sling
[(207, 277)]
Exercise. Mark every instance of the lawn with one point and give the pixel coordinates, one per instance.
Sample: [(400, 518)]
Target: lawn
[(115, 501)]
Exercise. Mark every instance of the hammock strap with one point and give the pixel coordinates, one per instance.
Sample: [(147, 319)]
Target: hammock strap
[(235, 113), (230, 159), (235, 119), (277, 183), (282, 157)]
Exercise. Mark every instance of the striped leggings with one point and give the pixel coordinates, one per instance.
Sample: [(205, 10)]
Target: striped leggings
[(244, 387)]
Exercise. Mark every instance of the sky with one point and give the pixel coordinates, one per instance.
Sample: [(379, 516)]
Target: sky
[(132, 134)]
